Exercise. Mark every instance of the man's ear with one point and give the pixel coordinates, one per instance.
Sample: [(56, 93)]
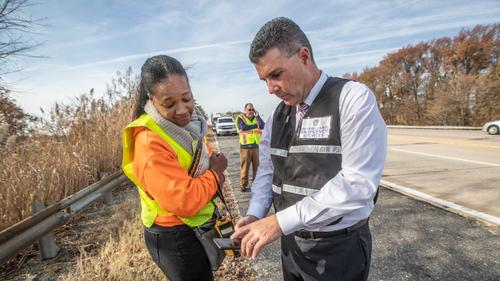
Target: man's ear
[(304, 54)]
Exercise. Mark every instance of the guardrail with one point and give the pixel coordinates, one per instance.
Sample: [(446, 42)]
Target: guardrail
[(36, 228), (434, 127)]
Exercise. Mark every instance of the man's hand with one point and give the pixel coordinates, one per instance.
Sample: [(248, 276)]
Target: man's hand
[(256, 235), (244, 221)]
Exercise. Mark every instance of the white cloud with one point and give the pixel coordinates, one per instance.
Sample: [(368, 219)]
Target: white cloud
[(149, 54)]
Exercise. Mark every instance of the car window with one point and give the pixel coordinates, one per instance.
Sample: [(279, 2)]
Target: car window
[(225, 120)]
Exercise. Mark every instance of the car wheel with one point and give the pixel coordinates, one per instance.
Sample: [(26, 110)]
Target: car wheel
[(493, 130)]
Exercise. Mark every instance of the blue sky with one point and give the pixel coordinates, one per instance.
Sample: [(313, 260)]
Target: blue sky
[(87, 42)]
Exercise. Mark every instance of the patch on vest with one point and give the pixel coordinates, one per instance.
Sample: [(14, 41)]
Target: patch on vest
[(315, 128)]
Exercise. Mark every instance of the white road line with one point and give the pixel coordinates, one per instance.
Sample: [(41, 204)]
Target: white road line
[(445, 157), (228, 181), (461, 210)]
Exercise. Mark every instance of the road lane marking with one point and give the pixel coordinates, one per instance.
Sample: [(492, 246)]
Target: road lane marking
[(445, 157), (447, 205), (227, 179), (459, 142)]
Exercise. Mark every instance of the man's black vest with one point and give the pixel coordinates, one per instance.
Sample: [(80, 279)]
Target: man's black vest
[(307, 158)]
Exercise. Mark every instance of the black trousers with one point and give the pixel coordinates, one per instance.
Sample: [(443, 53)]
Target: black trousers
[(341, 257), (178, 253)]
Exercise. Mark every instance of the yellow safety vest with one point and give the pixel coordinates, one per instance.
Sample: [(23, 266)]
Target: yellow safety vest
[(252, 136), (150, 208)]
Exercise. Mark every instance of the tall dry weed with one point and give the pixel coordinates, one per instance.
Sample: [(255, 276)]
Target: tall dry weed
[(122, 257), (4, 130), (68, 151)]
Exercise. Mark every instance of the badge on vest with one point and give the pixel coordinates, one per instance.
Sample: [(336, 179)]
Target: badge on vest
[(315, 128)]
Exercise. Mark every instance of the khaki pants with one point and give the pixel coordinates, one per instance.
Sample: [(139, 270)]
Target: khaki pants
[(248, 156)]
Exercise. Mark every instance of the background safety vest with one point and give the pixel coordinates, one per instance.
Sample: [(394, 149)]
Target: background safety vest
[(150, 209), (252, 136)]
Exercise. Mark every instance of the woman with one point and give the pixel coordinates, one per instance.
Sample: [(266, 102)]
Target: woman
[(166, 157)]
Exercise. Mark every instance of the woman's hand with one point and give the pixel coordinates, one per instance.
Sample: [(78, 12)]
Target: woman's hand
[(218, 164)]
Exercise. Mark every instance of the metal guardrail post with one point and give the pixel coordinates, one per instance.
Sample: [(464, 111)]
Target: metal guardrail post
[(108, 196), (47, 244)]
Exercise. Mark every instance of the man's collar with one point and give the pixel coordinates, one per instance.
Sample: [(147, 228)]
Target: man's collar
[(316, 88)]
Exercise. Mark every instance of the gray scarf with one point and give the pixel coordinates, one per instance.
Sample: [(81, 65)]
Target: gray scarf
[(195, 130)]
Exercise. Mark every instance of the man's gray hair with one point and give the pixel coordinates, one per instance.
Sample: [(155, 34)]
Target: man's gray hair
[(281, 33)]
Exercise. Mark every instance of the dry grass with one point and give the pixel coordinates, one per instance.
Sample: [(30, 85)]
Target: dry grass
[(4, 130), (123, 256), (66, 153)]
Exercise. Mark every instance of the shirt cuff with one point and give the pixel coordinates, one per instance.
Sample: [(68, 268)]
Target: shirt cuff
[(257, 210), (289, 220)]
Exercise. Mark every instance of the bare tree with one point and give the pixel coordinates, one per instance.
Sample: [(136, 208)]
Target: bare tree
[(16, 31)]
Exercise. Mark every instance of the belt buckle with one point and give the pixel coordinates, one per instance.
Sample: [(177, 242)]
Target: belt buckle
[(305, 234), (308, 234)]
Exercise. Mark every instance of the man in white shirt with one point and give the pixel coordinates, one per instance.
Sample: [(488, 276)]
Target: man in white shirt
[(322, 154)]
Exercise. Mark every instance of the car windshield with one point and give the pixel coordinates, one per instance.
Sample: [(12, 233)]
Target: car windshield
[(224, 120)]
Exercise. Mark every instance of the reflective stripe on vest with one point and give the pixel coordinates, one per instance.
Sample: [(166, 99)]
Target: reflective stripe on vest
[(276, 189), (249, 137), (323, 149), (279, 152), (298, 190), (150, 209)]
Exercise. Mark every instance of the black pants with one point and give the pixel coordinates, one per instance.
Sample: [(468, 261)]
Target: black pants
[(178, 253), (342, 257)]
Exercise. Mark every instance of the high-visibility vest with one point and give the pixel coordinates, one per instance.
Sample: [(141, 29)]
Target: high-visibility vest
[(150, 208), (251, 136)]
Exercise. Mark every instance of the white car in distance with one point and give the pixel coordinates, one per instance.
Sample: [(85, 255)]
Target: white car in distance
[(493, 127), (225, 126)]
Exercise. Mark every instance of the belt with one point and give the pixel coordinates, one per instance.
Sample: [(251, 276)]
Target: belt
[(316, 234)]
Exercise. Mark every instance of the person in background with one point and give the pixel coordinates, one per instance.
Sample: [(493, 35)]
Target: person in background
[(166, 156), (322, 154), (249, 126)]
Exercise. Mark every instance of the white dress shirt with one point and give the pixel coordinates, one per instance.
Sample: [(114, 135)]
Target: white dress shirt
[(350, 193)]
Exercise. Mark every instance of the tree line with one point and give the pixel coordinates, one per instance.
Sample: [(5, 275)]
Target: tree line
[(446, 81)]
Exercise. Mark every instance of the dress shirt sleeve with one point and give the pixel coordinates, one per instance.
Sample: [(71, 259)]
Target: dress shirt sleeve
[(364, 144), (262, 194)]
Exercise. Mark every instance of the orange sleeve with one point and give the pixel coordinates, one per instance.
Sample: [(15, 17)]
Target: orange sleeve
[(163, 178)]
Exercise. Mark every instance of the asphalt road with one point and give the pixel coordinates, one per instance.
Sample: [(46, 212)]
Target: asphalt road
[(412, 240), (458, 166)]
